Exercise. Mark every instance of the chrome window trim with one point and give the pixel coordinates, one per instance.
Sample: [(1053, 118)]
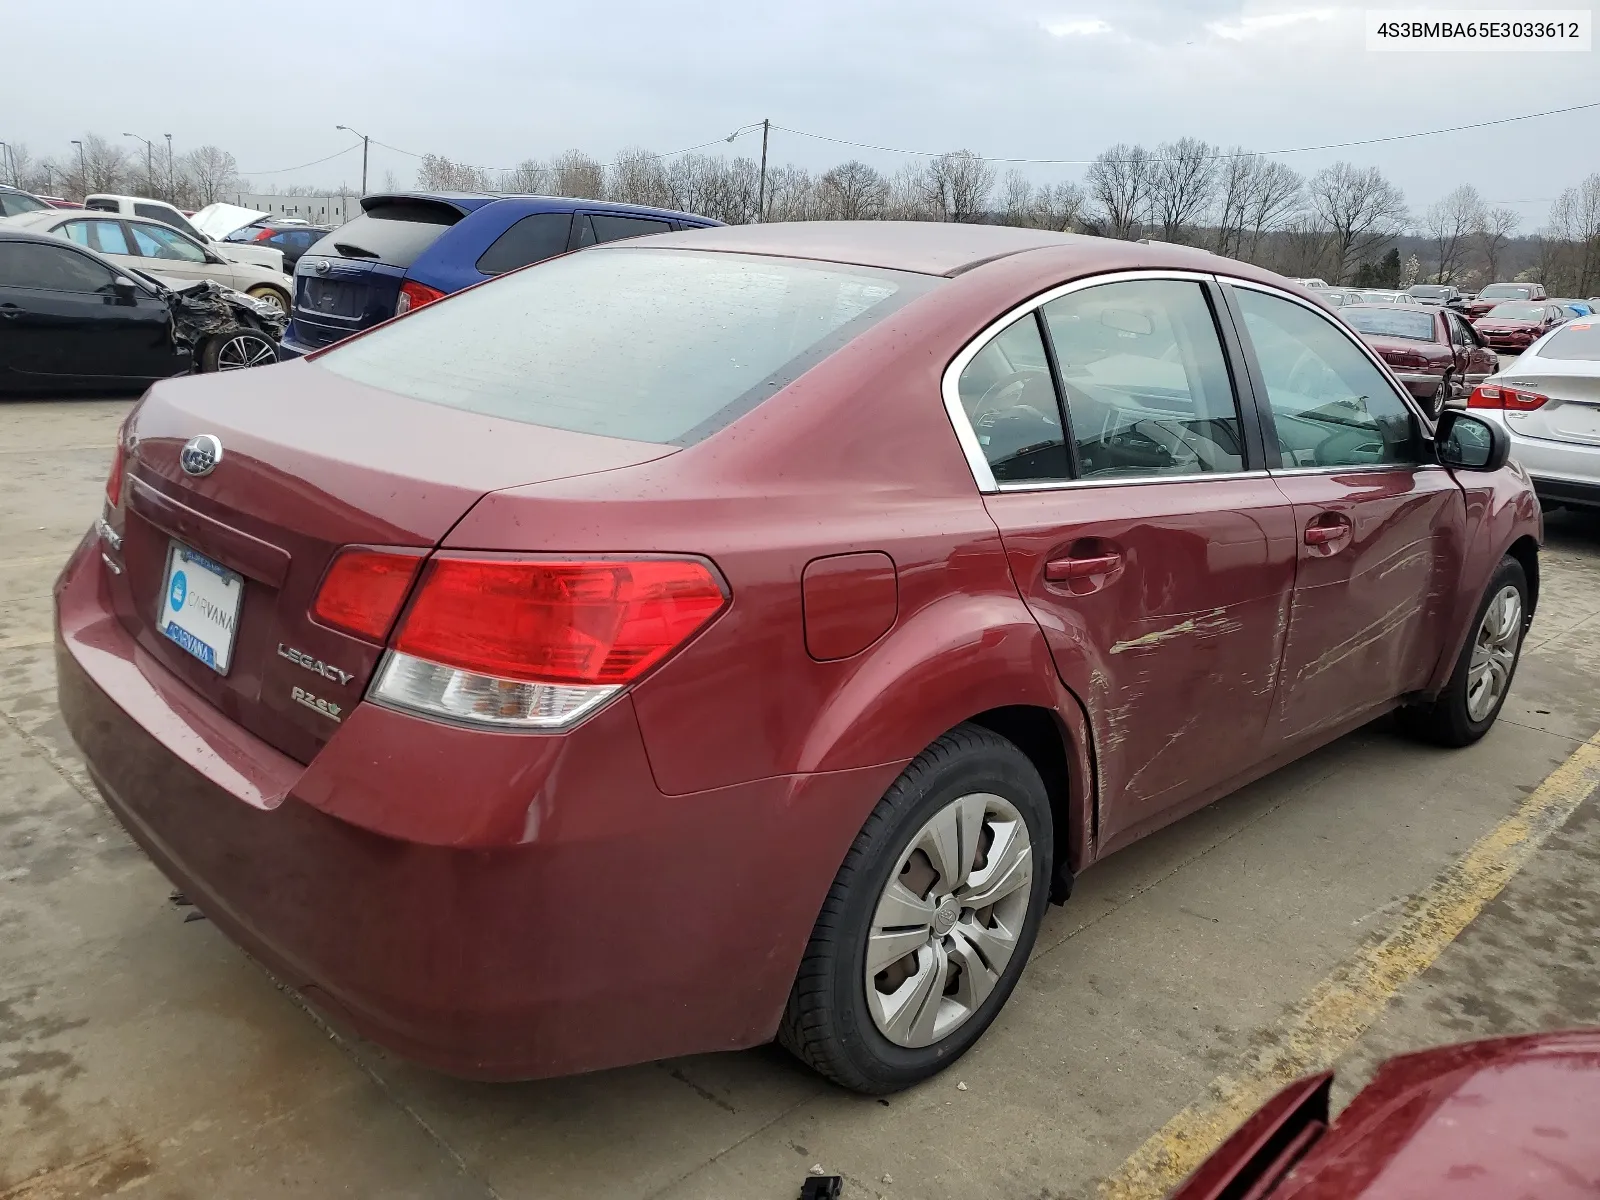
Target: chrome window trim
[(1400, 390), (1356, 469), (1056, 485), (982, 474)]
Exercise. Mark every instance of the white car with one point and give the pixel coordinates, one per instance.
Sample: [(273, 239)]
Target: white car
[(1549, 402), (1383, 296), (158, 248), (160, 210)]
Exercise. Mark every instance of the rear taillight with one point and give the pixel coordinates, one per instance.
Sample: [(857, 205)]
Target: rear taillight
[(1404, 358), (1489, 395), (114, 480), (514, 643), (415, 295), (364, 589)]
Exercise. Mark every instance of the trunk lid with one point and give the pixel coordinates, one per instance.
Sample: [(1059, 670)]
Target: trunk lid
[(1572, 412), (310, 463)]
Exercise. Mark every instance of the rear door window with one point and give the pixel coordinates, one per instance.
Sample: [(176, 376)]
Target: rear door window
[(611, 227), (396, 234), (532, 239), (104, 236), (1147, 387), (1579, 341), (1011, 405), (650, 345)]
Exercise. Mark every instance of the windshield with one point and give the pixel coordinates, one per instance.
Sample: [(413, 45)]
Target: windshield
[(1580, 340), (1505, 291), (1517, 312), (649, 345), (1388, 322), (1431, 291)]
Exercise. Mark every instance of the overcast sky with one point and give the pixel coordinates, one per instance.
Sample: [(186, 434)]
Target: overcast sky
[(494, 81)]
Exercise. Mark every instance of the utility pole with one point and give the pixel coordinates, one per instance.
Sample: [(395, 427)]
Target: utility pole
[(149, 161), (364, 140), (761, 194), (9, 158), (83, 169), (172, 180)]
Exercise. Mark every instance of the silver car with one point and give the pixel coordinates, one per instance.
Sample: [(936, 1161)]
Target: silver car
[(1549, 401)]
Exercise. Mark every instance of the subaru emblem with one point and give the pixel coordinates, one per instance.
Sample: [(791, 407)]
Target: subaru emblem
[(321, 266), (200, 455)]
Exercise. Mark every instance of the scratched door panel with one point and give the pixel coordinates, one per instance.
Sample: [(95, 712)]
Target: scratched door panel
[(1368, 618), (1175, 653)]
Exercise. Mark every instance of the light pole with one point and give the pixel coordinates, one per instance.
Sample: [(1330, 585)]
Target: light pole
[(761, 195), (9, 157), (83, 170), (172, 182), (364, 140), (149, 160)]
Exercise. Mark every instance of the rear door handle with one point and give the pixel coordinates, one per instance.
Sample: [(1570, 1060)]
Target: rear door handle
[(1327, 528), (1062, 570)]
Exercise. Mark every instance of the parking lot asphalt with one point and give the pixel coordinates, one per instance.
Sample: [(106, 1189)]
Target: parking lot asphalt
[(1452, 893)]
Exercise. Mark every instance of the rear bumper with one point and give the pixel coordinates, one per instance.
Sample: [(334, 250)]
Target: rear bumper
[(495, 906)]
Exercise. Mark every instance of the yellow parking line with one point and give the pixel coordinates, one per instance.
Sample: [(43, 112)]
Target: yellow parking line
[(1335, 1013)]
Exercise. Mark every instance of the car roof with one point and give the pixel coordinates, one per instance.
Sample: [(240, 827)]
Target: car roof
[(45, 215), (468, 201), (11, 233), (923, 247)]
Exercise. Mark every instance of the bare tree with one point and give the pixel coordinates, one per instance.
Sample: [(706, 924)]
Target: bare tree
[(530, 177), (1183, 182), (852, 191), (1119, 182), (715, 187), (439, 173), (105, 165), (637, 177), (791, 194), (1575, 230), (908, 197), (1256, 196), (1302, 248), (1360, 210), (1057, 207), (956, 186), (578, 175), (1450, 224), (1017, 199), (208, 173), (1497, 227)]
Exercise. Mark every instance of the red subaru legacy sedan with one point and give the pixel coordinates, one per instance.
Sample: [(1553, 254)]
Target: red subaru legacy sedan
[(745, 633)]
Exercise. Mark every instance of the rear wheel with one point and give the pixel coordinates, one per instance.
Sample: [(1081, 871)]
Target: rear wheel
[(930, 919), (1470, 702)]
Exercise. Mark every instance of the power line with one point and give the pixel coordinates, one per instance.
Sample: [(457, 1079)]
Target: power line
[(740, 132), (1083, 162), (303, 166)]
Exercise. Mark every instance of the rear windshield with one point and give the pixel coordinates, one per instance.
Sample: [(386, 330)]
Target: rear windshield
[(650, 345), (1505, 291), (1579, 340), (1518, 312), (396, 234), (1430, 291), (1388, 322)]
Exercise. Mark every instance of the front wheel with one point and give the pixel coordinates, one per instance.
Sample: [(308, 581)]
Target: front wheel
[(930, 919), (1470, 702), (271, 295), (236, 350)]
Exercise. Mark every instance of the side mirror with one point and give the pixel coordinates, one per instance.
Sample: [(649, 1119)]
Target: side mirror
[(124, 289), (1470, 443)]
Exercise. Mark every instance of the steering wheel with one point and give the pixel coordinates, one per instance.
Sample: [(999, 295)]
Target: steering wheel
[(988, 405)]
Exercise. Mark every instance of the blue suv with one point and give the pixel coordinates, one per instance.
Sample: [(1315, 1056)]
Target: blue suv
[(407, 249)]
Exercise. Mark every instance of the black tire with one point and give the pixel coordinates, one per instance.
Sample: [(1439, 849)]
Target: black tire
[(211, 350), (1446, 721), (827, 1023)]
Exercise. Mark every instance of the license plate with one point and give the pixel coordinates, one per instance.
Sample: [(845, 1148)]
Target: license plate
[(200, 606)]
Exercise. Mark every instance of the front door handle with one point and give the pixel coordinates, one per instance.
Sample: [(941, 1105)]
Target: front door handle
[(1064, 570)]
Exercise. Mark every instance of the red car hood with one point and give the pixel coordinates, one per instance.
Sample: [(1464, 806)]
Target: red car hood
[(1504, 326), (1508, 1117)]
